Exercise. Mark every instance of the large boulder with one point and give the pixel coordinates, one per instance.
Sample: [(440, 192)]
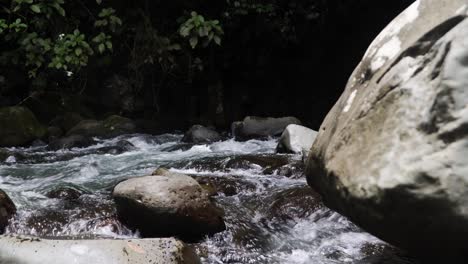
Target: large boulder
[(110, 127), (200, 135), (296, 139), (27, 250), (167, 204), (67, 120), (7, 210), (392, 153), (261, 127), (18, 126)]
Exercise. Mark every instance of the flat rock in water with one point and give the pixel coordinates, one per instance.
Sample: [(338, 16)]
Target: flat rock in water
[(25, 250)]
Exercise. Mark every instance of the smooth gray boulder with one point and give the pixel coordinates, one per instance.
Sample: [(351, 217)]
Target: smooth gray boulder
[(392, 153), (19, 126), (296, 139), (27, 250), (201, 135), (167, 204), (253, 127)]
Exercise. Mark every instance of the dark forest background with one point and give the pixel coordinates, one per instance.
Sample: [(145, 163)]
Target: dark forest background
[(175, 63)]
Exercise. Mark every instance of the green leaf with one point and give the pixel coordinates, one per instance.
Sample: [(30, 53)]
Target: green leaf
[(174, 47), (59, 9), (36, 8), (101, 48), (185, 31), (193, 42), (78, 51), (109, 45), (217, 40)]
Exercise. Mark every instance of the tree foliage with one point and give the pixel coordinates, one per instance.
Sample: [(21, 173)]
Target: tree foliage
[(73, 46)]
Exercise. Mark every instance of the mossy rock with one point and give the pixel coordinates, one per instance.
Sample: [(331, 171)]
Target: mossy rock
[(110, 127), (117, 125), (18, 126)]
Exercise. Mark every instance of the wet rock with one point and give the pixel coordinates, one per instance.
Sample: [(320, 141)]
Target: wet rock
[(19, 127), (69, 142), (111, 223), (297, 202), (28, 250), (201, 135), (110, 127), (296, 139), (117, 125), (7, 210), (88, 128), (261, 127), (50, 222), (269, 163), (177, 147), (392, 153), (169, 204), (65, 193), (4, 154), (75, 214), (228, 186), (295, 170), (120, 147)]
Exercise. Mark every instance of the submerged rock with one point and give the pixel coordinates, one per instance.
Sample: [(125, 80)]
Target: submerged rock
[(261, 127), (168, 204), (28, 250), (294, 203), (296, 139), (7, 210), (120, 147), (18, 127), (201, 135), (65, 193), (392, 153)]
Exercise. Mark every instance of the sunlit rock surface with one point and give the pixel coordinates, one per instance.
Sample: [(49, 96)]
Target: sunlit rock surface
[(26, 250), (392, 153)]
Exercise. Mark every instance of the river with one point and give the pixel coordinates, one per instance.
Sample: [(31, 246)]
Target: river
[(271, 215)]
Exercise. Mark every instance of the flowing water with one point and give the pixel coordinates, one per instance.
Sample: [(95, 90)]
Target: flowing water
[(271, 215)]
